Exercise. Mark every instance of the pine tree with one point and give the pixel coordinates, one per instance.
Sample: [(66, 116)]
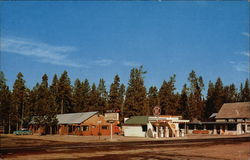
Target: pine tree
[(114, 101), (152, 99), (121, 98), (45, 111), (230, 93), (5, 103), (196, 103), (33, 97), (246, 92), (85, 96), (219, 94), (136, 94), (65, 93), (240, 94), (77, 96), (103, 96), (18, 100), (168, 100), (55, 94), (42, 97), (210, 102), (183, 103), (93, 99)]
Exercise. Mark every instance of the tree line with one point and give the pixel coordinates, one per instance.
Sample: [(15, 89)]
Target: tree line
[(19, 105)]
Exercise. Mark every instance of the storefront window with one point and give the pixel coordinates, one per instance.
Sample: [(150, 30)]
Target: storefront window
[(85, 128), (105, 127)]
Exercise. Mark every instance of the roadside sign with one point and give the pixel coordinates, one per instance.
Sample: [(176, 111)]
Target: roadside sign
[(157, 111), (111, 116)]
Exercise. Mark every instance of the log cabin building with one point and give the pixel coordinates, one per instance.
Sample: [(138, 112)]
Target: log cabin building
[(82, 124)]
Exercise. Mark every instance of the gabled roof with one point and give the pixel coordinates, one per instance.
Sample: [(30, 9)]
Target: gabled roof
[(137, 120), (213, 115), (74, 118), (234, 110)]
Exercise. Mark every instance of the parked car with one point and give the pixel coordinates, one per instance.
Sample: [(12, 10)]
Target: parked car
[(23, 131)]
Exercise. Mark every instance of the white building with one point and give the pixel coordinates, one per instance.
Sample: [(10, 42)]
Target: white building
[(154, 127)]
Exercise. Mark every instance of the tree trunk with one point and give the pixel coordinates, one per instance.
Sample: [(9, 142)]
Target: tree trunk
[(9, 126), (22, 115), (17, 126), (50, 130), (62, 106)]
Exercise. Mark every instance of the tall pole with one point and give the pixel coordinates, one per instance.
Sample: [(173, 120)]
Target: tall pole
[(111, 131)]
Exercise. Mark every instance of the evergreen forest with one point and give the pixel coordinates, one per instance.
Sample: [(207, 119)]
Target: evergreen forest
[(20, 104)]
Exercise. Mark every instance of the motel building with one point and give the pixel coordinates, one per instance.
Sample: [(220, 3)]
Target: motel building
[(232, 119), (82, 124)]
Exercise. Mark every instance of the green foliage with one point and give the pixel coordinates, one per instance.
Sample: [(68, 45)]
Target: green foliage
[(5, 101), (114, 101), (18, 100), (103, 96), (65, 93), (152, 99), (44, 101), (77, 96), (183, 108), (85, 96), (168, 100), (135, 102), (245, 92), (195, 100), (93, 99), (45, 111)]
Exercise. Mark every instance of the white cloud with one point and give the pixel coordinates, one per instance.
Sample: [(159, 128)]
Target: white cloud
[(131, 64), (245, 53), (245, 34), (42, 52), (103, 62), (242, 67)]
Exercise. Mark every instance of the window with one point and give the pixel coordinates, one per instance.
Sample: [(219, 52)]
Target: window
[(85, 128), (232, 127), (93, 126), (105, 127), (248, 127), (144, 128)]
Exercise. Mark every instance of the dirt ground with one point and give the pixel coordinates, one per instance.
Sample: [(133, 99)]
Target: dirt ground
[(123, 148)]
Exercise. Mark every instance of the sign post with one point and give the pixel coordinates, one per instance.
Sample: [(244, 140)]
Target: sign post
[(111, 118), (99, 133), (111, 131), (157, 113)]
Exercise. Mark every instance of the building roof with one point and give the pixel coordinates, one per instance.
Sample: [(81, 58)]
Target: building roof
[(213, 115), (234, 110), (74, 118), (137, 120)]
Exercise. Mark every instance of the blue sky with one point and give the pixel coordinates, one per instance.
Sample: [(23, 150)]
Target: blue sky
[(100, 39)]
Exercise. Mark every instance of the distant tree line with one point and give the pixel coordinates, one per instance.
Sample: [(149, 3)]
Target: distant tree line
[(19, 105)]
